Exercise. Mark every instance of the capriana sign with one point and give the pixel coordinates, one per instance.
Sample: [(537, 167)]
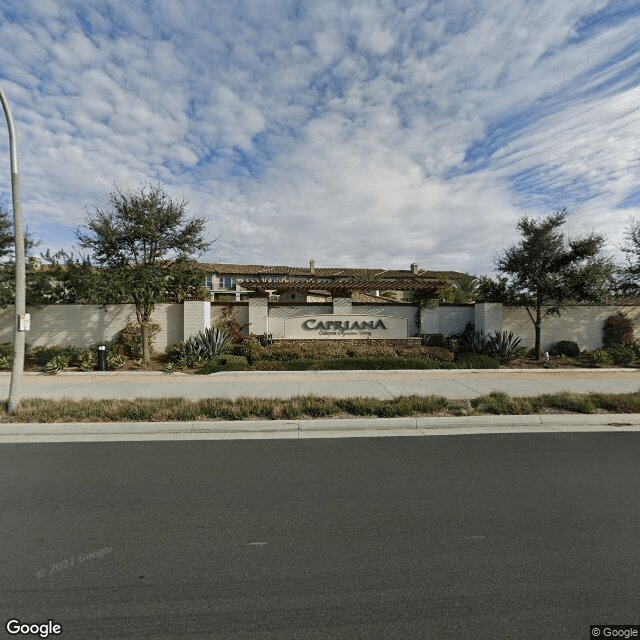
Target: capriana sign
[(345, 327)]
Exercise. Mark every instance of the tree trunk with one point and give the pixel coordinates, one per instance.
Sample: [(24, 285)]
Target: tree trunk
[(146, 347), (538, 328)]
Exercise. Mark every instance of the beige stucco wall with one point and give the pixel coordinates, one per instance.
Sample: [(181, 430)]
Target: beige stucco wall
[(581, 324), (85, 324)]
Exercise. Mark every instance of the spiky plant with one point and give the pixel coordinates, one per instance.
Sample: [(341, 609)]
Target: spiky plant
[(502, 346)]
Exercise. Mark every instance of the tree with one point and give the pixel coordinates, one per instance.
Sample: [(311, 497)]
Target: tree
[(39, 287), (144, 241), (547, 270), (461, 289), (629, 282)]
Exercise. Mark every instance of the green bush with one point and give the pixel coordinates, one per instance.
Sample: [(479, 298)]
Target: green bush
[(437, 353), (6, 349), (197, 349), (129, 342), (224, 363), (250, 348), (115, 361), (602, 356), (466, 360), (69, 354), (617, 330), (87, 360), (56, 364), (621, 354)]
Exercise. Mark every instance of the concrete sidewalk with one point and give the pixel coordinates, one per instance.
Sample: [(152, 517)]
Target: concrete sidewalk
[(463, 384), (460, 384)]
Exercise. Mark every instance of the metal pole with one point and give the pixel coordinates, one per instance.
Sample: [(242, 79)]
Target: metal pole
[(19, 328)]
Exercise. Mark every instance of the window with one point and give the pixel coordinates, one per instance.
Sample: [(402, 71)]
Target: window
[(227, 282), (209, 282)]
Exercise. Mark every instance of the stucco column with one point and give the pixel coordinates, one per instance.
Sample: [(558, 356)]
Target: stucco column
[(196, 316), (487, 316), (258, 315)]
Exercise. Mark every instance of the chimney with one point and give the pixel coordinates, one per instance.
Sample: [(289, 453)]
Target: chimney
[(312, 266), (414, 268)]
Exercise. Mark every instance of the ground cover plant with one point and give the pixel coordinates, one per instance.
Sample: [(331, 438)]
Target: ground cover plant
[(309, 407)]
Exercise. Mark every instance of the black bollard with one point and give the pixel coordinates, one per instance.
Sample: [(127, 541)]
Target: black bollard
[(102, 358)]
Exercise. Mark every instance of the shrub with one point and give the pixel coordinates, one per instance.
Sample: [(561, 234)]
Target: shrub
[(503, 346), (252, 350), (472, 340), (567, 348), (617, 330), (57, 363), (436, 353), (6, 349), (224, 363), (466, 360), (115, 360), (129, 342), (6, 363), (621, 354), (87, 360), (42, 354), (602, 356), (199, 348), (232, 325), (499, 345)]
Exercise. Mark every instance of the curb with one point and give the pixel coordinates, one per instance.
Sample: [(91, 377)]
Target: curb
[(222, 374), (544, 422)]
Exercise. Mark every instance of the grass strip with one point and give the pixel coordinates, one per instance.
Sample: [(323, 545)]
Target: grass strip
[(307, 407)]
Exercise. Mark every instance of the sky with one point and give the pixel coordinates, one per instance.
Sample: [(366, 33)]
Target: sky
[(358, 133)]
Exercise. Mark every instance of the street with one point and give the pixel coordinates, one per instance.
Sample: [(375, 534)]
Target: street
[(477, 536)]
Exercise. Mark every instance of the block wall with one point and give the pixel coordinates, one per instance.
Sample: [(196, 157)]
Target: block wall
[(85, 324), (581, 324)]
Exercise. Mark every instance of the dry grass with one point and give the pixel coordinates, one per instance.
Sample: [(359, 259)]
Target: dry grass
[(306, 407)]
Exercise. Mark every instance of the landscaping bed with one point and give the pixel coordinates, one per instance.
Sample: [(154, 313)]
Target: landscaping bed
[(309, 407)]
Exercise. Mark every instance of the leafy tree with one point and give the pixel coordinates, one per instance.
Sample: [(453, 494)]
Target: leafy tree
[(39, 287), (629, 275), (141, 244), (547, 270)]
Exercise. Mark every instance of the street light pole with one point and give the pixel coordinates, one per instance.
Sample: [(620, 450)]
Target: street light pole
[(21, 319)]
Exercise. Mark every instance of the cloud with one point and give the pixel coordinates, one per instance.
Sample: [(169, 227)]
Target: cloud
[(355, 132)]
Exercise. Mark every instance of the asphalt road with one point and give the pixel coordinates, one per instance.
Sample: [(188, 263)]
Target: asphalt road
[(497, 536)]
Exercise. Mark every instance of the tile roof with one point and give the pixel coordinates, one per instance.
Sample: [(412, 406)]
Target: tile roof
[(322, 272)]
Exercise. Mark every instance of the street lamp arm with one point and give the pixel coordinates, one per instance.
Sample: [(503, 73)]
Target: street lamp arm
[(13, 147)]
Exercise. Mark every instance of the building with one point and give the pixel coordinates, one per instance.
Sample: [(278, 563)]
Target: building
[(237, 282)]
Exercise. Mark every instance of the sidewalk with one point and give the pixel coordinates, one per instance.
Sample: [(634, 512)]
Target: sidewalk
[(464, 384), (460, 384)]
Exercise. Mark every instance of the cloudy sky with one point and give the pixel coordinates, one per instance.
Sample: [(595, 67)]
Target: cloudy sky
[(368, 133)]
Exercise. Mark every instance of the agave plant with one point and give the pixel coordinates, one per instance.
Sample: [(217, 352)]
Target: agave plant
[(473, 341), (502, 346), (203, 346)]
